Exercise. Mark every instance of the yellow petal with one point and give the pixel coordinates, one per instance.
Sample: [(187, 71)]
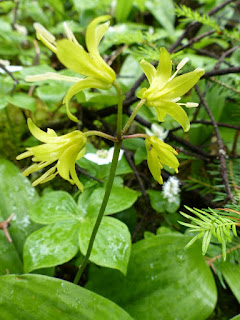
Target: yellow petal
[(74, 57), (79, 86), (164, 69), (95, 33), (38, 133), (149, 70), (174, 110), (180, 85)]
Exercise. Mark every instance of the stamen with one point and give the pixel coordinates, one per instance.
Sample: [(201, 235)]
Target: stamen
[(51, 76), (189, 104), (44, 32), (179, 67)]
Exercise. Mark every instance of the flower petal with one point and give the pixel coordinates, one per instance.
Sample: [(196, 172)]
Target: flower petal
[(174, 110), (149, 70), (153, 162), (38, 133), (66, 165), (74, 57), (79, 86), (164, 69), (95, 33), (180, 85)]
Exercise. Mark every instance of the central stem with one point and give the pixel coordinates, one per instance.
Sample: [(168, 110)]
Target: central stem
[(108, 189), (117, 147)]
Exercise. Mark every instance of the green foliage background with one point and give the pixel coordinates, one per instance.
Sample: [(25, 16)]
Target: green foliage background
[(139, 268)]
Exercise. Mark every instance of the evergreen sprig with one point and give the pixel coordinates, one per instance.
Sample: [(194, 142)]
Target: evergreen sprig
[(210, 223), (191, 15)]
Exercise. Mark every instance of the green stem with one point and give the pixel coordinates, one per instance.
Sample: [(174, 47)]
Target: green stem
[(100, 134), (120, 109), (133, 115), (108, 189), (117, 147), (136, 135)]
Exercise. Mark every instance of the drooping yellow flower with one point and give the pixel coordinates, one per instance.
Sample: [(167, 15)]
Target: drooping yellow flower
[(166, 90), (159, 153), (64, 150), (73, 56)]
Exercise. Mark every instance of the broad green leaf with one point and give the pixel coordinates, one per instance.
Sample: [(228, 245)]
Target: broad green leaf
[(231, 274), (112, 245), (22, 100), (237, 317), (35, 297), (164, 281), (55, 206), (51, 93), (120, 199), (172, 207), (51, 245), (157, 201), (16, 196), (163, 11), (123, 9)]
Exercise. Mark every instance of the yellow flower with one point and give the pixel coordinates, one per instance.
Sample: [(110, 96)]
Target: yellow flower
[(166, 90), (73, 56), (64, 149), (159, 153)]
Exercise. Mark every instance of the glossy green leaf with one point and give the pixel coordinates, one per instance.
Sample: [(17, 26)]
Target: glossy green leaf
[(237, 317), (16, 196), (231, 274), (164, 281), (35, 297), (22, 100), (120, 199), (163, 11), (51, 245), (112, 245), (55, 206), (157, 201), (123, 9)]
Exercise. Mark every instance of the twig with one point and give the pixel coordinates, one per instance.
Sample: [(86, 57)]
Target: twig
[(221, 151), (196, 39), (212, 260), (87, 174), (136, 173), (209, 123), (221, 72), (15, 81), (15, 13), (224, 55), (224, 85), (4, 226)]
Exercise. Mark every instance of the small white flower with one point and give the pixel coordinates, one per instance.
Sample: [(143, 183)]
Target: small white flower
[(157, 131), (171, 189), (102, 156), (21, 29)]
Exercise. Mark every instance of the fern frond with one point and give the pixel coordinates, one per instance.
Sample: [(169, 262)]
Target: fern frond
[(191, 15), (210, 223), (204, 19)]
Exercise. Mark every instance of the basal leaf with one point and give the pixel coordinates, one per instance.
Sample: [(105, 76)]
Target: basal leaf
[(35, 297), (164, 281)]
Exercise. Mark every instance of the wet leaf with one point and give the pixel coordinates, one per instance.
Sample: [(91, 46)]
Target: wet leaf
[(38, 297)]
